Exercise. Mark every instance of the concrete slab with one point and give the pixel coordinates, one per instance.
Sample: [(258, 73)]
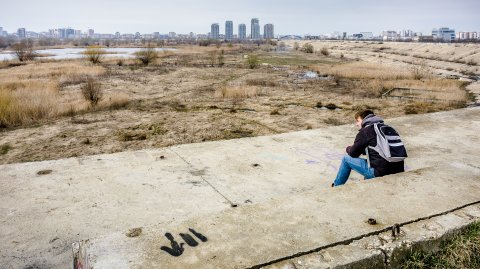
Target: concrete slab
[(251, 236), (258, 169), (82, 198), (41, 215)]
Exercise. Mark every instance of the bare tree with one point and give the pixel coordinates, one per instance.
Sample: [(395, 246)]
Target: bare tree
[(24, 50), (212, 57), (221, 58)]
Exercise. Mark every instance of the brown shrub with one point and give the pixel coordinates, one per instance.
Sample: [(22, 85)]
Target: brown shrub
[(94, 54), (307, 48), (324, 51), (147, 55), (252, 61), (276, 111), (5, 148), (92, 91)]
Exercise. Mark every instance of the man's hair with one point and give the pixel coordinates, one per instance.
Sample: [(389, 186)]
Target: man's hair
[(363, 114)]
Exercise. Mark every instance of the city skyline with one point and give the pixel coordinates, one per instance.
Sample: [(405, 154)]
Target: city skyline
[(289, 17)]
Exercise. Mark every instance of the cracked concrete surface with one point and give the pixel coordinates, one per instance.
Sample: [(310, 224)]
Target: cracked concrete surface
[(385, 251)]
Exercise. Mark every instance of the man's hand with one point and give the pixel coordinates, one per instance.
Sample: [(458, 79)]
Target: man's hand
[(348, 149)]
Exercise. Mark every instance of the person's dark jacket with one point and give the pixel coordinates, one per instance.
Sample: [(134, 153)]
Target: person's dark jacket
[(367, 137)]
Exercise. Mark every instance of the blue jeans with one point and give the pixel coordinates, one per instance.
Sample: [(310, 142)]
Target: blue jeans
[(349, 164)]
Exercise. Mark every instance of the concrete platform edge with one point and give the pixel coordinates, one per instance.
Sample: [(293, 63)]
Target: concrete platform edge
[(384, 250)]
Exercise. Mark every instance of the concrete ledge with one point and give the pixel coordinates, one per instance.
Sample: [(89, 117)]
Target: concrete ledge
[(385, 251), (281, 229)]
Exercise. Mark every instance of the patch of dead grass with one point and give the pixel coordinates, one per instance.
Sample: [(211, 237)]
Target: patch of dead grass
[(238, 92), (27, 106), (30, 93), (117, 101), (261, 82), (365, 70)]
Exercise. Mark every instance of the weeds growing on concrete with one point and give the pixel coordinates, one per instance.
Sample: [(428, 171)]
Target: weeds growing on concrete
[(462, 251)]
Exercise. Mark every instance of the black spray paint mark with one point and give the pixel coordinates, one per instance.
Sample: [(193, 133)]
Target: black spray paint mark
[(198, 235), (189, 240), (176, 249)]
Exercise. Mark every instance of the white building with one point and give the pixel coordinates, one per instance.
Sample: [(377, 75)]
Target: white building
[(389, 35), (467, 35), (444, 34), (406, 34)]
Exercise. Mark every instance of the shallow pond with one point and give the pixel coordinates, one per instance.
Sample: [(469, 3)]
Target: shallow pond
[(75, 53)]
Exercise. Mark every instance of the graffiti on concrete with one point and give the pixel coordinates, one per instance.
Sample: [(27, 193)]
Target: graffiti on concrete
[(176, 249), (319, 153)]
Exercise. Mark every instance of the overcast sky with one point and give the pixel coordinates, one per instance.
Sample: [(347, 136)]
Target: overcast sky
[(288, 16)]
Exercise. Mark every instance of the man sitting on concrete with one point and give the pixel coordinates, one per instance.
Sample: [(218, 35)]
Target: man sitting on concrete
[(366, 143)]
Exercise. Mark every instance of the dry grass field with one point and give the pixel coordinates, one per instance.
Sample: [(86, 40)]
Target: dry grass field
[(198, 94), (461, 58)]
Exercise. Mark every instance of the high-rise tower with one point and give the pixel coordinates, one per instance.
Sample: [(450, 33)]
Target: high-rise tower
[(242, 31), (255, 29), (268, 32), (229, 30), (215, 31)]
